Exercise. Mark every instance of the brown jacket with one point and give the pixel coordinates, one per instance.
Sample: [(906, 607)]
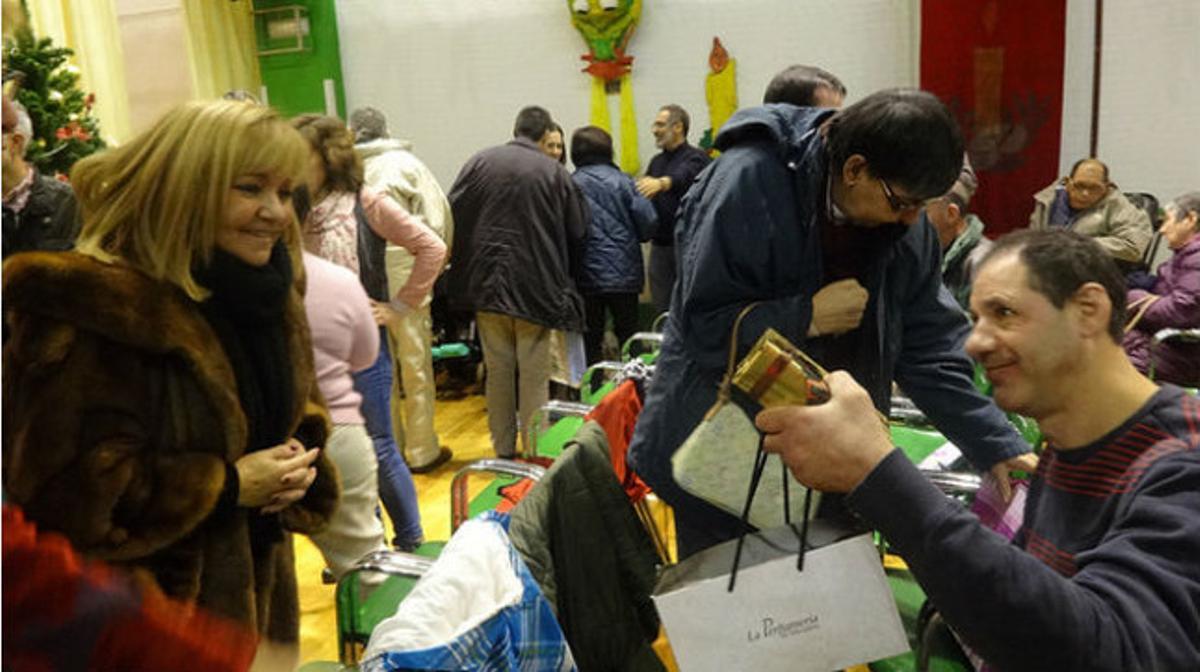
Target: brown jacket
[(121, 414), (1121, 228)]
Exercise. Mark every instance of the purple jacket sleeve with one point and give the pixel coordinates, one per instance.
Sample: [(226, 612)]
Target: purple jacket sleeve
[(1179, 289), (1133, 605)]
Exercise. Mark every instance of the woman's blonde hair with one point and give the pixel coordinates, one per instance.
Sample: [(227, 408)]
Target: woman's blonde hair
[(330, 138), (157, 201)]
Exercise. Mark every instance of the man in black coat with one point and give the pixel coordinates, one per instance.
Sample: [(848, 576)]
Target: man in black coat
[(39, 211), (519, 227)]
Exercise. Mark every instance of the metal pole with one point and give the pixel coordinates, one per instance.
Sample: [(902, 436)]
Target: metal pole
[(1095, 140)]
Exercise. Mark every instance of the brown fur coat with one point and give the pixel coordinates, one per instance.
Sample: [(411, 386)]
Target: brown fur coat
[(120, 415)]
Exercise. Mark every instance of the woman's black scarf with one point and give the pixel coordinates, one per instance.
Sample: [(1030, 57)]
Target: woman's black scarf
[(247, 311)]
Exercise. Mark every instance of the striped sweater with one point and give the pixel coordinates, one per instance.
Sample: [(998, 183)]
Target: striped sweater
[(1081, 494), (1103, 576)]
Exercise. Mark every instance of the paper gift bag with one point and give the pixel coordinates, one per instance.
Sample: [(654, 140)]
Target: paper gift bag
[(837, 612)]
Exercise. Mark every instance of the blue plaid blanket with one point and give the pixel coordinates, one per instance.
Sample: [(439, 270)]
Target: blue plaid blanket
[(519, 637)]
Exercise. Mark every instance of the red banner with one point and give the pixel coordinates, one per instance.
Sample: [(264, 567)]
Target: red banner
[(999, 67)]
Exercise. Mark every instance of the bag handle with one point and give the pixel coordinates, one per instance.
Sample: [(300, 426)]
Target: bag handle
[(725, 390), (1142, 304)]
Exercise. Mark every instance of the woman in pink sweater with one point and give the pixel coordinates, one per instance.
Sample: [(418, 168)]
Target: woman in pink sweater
[(350, 225), (345, 340)]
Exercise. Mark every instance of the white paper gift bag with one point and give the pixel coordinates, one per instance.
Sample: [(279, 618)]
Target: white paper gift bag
[(837, 612)]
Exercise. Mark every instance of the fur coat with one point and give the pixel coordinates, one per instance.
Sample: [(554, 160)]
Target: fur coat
[(121, 419)]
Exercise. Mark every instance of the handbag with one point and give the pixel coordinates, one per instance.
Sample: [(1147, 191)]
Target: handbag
[(719, 459)]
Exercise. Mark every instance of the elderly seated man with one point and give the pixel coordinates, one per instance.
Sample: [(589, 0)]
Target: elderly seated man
[(1088, 203), (1169, 299), (1103, 574)]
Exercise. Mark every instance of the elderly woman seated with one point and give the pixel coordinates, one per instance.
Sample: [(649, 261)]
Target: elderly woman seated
[(1169, 299)]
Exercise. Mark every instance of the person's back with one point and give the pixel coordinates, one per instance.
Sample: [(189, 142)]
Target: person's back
[(611, 275), (344, 334), (621, 219), (519, 221), (520, 224), (390, 167), (345, 340)]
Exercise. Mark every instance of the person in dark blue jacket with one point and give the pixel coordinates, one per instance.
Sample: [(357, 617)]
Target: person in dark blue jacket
[(612, 274), (814, 213)]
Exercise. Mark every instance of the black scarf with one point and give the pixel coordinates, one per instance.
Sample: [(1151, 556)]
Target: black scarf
[(247, 311)]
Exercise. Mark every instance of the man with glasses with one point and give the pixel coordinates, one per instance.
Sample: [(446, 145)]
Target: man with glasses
[(811, 213), (39, 211), (1088, 203), (667, 179)]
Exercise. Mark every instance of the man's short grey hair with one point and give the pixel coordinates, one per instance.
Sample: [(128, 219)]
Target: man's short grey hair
[(368, 123), (24, 127)]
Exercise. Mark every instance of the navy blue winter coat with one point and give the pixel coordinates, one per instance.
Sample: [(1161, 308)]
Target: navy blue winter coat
[(621, 219), (750, 230)]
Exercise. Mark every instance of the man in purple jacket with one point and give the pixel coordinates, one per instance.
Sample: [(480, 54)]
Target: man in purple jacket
[(1103, 574)]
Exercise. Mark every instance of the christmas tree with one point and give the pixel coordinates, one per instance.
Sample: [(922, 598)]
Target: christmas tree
[(64, 129)]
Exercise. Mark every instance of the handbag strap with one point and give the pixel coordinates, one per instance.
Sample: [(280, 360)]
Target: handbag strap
[(1142, 305), (727, 381)]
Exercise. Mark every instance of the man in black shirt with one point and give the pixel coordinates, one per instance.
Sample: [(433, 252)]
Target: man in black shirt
[(667, 179)]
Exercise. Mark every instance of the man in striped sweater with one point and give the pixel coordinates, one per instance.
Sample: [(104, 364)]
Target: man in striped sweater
[(1105, 571)]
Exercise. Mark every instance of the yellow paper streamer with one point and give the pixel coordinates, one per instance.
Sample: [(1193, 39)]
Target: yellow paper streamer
[(600, 106), (720, 90), (629, 162)]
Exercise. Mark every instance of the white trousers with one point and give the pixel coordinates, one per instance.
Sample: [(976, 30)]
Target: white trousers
[(412, 412), (354, 530)]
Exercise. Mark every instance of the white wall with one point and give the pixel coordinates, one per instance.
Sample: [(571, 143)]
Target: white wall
[(452, 74), (157, 77), (1150, 95)]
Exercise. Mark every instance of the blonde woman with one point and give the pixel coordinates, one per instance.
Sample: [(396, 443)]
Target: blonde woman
[(159, 402)]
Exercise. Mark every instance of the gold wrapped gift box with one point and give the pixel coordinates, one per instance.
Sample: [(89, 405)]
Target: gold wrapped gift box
[(777, 373)]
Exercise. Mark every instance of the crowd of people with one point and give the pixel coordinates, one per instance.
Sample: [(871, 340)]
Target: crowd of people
[(206, 335)]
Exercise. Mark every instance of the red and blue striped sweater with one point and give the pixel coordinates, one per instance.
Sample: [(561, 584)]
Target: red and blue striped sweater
[(1103, 575)]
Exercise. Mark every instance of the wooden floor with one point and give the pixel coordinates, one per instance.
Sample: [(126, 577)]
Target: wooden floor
[(461, 426)]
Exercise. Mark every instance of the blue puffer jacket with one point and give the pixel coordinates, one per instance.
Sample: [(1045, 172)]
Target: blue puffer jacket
[(621, 218), (750, 230)]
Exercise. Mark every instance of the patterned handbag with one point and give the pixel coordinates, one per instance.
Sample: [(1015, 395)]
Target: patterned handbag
[(718, 461)]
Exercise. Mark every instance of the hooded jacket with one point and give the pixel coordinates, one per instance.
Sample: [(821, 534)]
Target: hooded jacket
[(521, 223), (621, 219), (750, 230), (1121, 228), (122, 422), (391, 168), (961, 260)]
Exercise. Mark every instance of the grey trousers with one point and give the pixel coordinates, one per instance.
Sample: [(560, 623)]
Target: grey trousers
[(517, 356), (662, 276)]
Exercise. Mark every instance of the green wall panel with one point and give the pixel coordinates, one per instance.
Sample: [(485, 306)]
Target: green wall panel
[(294, 81)]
